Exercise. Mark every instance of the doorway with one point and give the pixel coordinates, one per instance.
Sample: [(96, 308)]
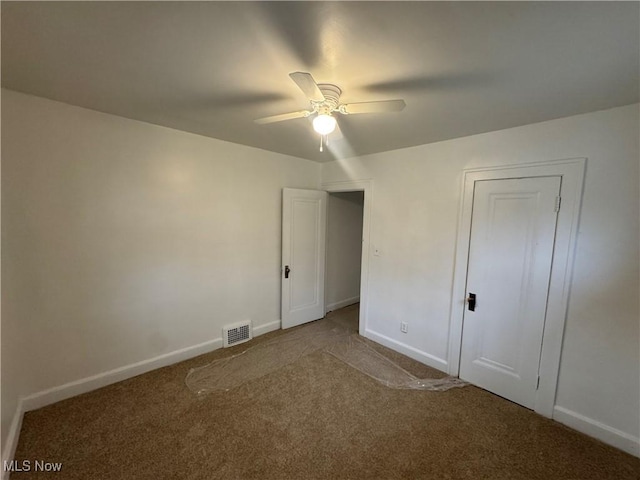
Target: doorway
[(303, 252), (545, 365), (365, 187), (345, 212)]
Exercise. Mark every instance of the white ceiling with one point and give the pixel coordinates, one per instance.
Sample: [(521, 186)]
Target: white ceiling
[(213, 67)]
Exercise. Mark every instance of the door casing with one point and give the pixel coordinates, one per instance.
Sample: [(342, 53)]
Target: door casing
[(572, 173)]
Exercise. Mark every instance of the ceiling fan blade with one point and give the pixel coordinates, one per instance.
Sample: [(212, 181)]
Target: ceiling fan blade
[(373, 107), (308, 85), (431, 83), (282, 117)]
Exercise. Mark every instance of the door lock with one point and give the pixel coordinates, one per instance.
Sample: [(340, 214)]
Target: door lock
[(287, 270), (471, 300)]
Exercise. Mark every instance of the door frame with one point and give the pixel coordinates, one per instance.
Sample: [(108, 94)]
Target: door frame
[(572, 173), (365, 186)]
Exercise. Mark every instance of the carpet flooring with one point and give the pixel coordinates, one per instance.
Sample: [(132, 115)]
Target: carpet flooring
[(316, 418)]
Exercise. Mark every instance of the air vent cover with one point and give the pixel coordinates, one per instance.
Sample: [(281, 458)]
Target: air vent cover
[(237, 333)]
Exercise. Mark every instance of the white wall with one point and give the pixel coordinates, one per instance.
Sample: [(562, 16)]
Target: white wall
[(120, 244), (344, 249), (124, 241), (414, 222)]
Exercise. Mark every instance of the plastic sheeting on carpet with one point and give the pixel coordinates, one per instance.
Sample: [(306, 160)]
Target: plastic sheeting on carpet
[(264, 358), (354, 351), (336, 340)]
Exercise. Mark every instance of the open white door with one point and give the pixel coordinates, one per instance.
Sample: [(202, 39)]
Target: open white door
[(304, 220), (510, 255)]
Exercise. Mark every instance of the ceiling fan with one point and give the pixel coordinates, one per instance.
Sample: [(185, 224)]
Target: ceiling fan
[(325, 101)]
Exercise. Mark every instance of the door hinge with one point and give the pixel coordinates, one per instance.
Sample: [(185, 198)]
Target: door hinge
[(558, 200), (538, 383)]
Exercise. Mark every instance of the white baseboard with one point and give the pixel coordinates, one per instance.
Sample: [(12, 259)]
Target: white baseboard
[(84, 385), (342, 303), (12, 438), (266, 328), (609, 435), (420, 356)]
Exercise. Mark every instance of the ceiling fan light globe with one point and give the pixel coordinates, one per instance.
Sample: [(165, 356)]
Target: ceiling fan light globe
[(324, 124)]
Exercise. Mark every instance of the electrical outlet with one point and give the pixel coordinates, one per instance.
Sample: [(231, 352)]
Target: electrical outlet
[(404, 327)]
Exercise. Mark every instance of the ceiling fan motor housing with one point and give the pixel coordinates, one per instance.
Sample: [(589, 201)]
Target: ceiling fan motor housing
[(331, 98)]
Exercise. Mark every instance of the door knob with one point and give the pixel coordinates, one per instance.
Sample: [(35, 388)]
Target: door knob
[(471, 300)]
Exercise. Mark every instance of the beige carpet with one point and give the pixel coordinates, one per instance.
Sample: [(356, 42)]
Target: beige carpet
[(317, 418)]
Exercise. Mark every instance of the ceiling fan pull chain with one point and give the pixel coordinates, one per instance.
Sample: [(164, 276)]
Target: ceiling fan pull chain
[(321, 143)]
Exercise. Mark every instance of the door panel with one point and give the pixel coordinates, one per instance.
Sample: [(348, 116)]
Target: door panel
[(303, 251), (510, 256)]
